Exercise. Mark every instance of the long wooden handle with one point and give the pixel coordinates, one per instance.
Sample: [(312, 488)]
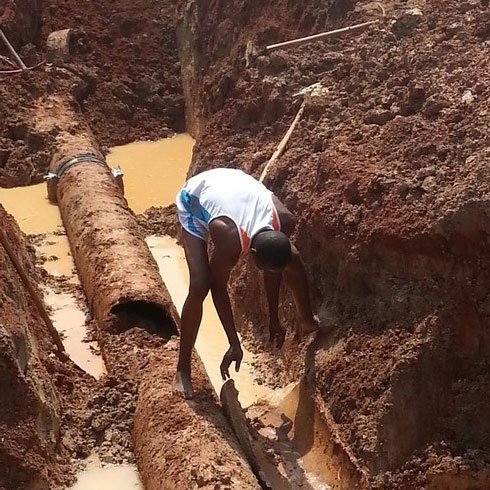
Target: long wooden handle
[(283, 143), (319, 37), (35, 297)]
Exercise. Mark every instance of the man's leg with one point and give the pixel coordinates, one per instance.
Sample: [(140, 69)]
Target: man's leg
[(297, 281), (196, 254)]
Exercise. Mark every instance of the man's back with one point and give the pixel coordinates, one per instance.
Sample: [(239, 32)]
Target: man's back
[(227, 193)]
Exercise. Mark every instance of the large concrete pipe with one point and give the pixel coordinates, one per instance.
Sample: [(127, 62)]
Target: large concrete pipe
[(117, 271), (184, 444), (179, 444)]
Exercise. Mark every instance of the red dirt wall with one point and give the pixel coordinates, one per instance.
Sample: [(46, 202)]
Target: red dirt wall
[(388, 176), (30, 416)]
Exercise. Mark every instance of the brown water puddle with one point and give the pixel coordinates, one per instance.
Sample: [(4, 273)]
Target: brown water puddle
[(58, 260), (293, 433), (153, 171), (69, 320), (31, 209), (114, 477)]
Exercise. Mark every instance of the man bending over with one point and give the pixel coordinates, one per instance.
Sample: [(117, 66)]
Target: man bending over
[(240, 215)]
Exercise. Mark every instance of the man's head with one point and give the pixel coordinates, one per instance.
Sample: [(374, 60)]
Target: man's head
[(271, 250)]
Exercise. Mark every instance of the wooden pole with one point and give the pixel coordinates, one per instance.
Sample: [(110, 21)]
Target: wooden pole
[(35, 297), (12, 50), (283, 143), (318, 37)]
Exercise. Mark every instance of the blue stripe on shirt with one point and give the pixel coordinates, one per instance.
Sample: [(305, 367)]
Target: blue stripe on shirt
[(193, 206)]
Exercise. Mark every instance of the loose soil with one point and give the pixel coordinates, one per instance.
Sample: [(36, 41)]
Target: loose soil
[(40, 403)]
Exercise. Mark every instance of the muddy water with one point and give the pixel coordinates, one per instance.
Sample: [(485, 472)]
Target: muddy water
[(109, 478), (35, 215), (115, 477), (153, 171), (58, 260), (31, 208), (69, 320), (308, 436)]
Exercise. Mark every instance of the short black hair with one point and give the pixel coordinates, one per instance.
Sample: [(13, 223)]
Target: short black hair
[(272, 249)]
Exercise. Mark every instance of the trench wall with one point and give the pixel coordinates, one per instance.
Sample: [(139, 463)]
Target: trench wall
[(388, 176), (30, 410)]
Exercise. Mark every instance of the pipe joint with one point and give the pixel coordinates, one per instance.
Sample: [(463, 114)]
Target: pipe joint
[(52, 178)]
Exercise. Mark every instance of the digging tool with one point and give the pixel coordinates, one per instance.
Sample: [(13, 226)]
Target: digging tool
[(326, 35), (35, 297), (283, 143), (12, 51), (314, 90)]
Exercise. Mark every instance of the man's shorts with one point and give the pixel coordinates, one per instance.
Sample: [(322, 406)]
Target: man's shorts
[(192, 216)]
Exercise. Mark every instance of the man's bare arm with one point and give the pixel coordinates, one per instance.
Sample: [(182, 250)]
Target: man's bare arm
[(226, 252), (272, 284), (297, 280)]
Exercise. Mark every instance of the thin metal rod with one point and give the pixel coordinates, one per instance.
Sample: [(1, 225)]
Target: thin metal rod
[(12, 51), (318, 37)]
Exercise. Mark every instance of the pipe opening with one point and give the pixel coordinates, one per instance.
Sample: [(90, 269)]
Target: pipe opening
[(141, 314)]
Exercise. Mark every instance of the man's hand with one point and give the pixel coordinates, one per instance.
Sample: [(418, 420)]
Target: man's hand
[(234, 353)]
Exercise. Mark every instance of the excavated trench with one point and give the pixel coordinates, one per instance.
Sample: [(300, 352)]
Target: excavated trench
[(395, 243), (294, 458)]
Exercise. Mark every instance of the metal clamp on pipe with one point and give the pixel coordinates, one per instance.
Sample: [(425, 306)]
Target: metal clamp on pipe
[(53, 178)]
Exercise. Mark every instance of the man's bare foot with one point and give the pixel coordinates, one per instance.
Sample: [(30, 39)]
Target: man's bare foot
[(183, 386)]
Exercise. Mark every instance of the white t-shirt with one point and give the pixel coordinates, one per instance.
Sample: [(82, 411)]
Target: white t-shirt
[(231, 193)]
